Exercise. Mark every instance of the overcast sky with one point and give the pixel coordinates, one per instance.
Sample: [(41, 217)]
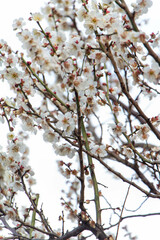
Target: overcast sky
[(13, 9)]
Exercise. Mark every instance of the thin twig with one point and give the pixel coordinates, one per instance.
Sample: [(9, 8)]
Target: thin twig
[(122, 211)]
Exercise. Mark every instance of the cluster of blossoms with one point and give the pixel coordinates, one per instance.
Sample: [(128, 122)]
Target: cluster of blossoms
[(13, 165), (89, 66)]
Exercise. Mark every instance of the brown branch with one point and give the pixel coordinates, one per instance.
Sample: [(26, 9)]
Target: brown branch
[(72, 233), (131, 17), (96, 230), (32, 227), (142, 215), (80, 152), (124, 90), (135, 168), (48, 228), (126, 108), (133, 216), (118, 159), (145, 180), (119, 175), (12, 230)]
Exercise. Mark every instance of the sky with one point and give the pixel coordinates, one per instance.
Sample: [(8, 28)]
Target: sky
[(41, 157)]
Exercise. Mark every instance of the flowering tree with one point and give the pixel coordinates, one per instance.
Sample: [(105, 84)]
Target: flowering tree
[(86, 73)]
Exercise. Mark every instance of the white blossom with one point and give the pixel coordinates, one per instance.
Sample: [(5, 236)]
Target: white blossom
[(18, 23), (50, 136), (64, 150), (98, 150), (118, 129), (37, 16), (128, 152)]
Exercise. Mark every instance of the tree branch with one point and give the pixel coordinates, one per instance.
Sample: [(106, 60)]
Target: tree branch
[(79, 117), (131, 17), (124, 90), (126, 108)]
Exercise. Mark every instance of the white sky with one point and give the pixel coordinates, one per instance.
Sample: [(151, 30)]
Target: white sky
[(11, 10)]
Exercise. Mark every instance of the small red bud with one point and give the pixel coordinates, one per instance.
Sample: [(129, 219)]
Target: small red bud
[(28, 63), (67, 105), (108, 73)]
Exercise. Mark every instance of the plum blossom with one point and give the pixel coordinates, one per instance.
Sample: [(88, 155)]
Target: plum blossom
[(10, 102), (74, 45), (98, 56), (98, 149), (142, 131), (13, 75), (68, 65), (24, 36), (81, 14), (18, 23), (101, 95), (128, 152), (37, 34), (4, 46), (64, 150), (116, 109), (11, 61), (27, 123), (91, 88), (11, 213), (27, 87), (148, 92), (79, 83), (10, 136), (31, 181), (118, 128), (15, 148), (16, 186), (66, 122), (92, 20), (59, 38), (136, 37), (141, 6), (151, 73), (114, 90), (87, 71), (37, 17), (50, 136)]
